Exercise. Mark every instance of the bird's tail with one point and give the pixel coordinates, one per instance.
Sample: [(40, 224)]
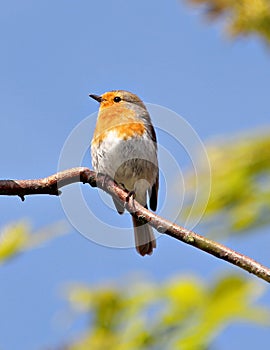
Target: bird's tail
[(144, 237)]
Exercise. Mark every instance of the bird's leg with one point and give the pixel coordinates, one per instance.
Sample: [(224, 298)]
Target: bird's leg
[(129, 195), (120, 184)]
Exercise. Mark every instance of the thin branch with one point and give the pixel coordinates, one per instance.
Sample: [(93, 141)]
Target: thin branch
[(48, 185), (52, 184)]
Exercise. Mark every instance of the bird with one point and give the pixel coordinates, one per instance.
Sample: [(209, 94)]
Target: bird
[(124, 147)]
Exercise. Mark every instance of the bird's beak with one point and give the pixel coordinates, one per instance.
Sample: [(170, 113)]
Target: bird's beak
[(97, 98)]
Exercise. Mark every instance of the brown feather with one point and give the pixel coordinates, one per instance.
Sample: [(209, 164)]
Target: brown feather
[(144, 237)]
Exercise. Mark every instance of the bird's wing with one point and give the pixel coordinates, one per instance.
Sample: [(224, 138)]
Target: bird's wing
[(154, 194)]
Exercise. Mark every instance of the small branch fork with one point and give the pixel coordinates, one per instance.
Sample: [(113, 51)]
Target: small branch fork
[(51, 185)]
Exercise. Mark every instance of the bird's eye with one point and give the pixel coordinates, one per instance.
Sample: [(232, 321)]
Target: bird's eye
[(117, 99)]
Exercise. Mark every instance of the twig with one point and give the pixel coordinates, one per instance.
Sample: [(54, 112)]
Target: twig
[(48, 185), (52, 184)]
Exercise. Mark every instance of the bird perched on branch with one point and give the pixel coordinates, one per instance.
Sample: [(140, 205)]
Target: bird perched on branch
[(124, 147)]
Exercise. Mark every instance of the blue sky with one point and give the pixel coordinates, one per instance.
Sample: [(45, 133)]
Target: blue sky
[(53, 54)]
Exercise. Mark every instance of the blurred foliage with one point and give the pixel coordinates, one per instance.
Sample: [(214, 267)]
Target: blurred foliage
[(243, 17), (13, 239), (16, 238), (184, 313), (240, 195)]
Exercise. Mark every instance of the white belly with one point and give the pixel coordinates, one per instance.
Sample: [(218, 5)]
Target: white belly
[(128, 162)]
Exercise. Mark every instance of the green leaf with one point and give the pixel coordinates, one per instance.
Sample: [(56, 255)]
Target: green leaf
[(243, 17), (184, 313), (240, 192), (13, 239)]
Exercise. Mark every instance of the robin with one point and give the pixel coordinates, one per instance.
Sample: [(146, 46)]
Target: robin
[(124, 147)]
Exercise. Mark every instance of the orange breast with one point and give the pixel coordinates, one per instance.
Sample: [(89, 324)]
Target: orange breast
[(121, 120), (126, 131)]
